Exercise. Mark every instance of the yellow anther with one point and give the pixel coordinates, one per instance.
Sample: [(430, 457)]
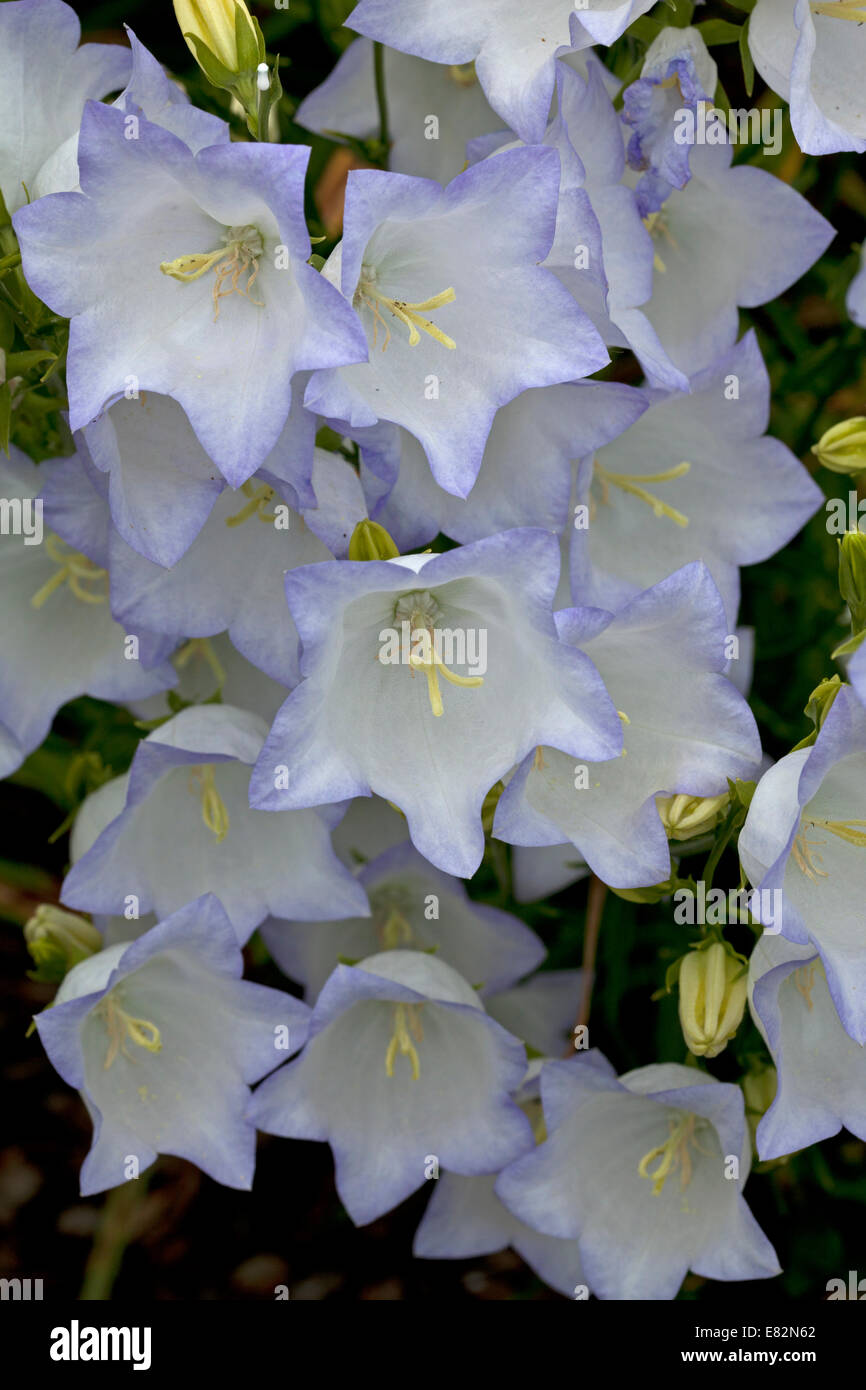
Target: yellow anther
[(240, 253), (463, 74), (76, 571), (624, 717), (122, 1026), (538, 762), (213, 808), (256, 505), (840, 9), (674, 1154), (634, 487), (410, 314), (401, 1041)]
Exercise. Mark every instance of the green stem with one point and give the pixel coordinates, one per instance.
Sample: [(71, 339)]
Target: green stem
[(732, 823), (117, 1227), (381, 98)]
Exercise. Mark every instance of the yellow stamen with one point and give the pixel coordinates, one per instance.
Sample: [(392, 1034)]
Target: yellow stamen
[(624, 717), (213, 808), (840, 9), (410, 314), (122, 1026), (633, 486), (258, 501), (201, 647), (242, 249), (804, 980), (538, 762), (76, 571), (396, 931), (401, 1041), (673, 1154), (432, 670)]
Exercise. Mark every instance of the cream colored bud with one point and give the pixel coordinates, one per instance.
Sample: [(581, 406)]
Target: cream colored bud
[(686, 816), (713, 985), (842, 448), (57, 940), (213, 21)]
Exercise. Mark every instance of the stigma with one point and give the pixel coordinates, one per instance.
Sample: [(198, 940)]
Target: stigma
[(634, 486), (123, 1028), (256, 505), (406, 1016), (86, 580), (239, 255), (409, 313), (213, 808), (674, 1155)]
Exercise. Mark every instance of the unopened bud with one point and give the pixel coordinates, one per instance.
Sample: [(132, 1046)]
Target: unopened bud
[(224, 39), (852, 576), (686, 816), (759, 1091), (57, 940), (713, 986), (370, 541), (842, 448)]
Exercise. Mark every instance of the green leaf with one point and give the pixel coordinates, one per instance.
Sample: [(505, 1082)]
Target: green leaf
[(246, 41), (210, 65), (716, 31), (5, 416), (746, 59), (17, 363), (645, 30)]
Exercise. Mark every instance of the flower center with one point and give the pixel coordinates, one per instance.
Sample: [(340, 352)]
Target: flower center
[(213, 808), (804, 847), (410, 314), (75, 570), (674, 1154), (406, 1016), (420, 610), (258, 499), (657, 226), (122, 1027), (634, 487), (239, 255)]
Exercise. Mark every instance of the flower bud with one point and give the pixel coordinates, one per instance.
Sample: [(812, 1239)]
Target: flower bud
[(57, 940), (686, 816), (842, 448), (229, 37), (759, 1091), (713, 986), (852, 576), (370, 541)]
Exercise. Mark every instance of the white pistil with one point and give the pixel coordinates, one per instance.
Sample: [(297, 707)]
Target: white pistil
[(400, 1039)]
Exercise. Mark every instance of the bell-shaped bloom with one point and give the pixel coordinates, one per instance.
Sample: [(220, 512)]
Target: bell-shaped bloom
[(647, 1172), (426, 679), (695, 478), (686, 729), (541, 1010), (821, 1070), (230, 579), (513, 45), (414, 907), (601, 252), (151, 93), (45, 79), (187, 275), (162, 484), (732, 236), (58, 639), (164, 1039), (814, 55), (677, 75), (525, 477), (804, 846), (179, 824), (453, 335), (855, 300), (403, 1073), (433, 110)]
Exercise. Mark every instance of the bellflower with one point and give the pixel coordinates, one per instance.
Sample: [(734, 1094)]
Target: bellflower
[(813, 54), (647, 1172), (402, 1069), (163, 1039), (433, 109), (38, 112), (513, 46), (453, 335), (381, 708), (525, 476), (686, 729), (821, 1070), (187, 788), (695, 477), (677, 75), (414, 907), (805, 839), (187, 275), (58, 639)]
